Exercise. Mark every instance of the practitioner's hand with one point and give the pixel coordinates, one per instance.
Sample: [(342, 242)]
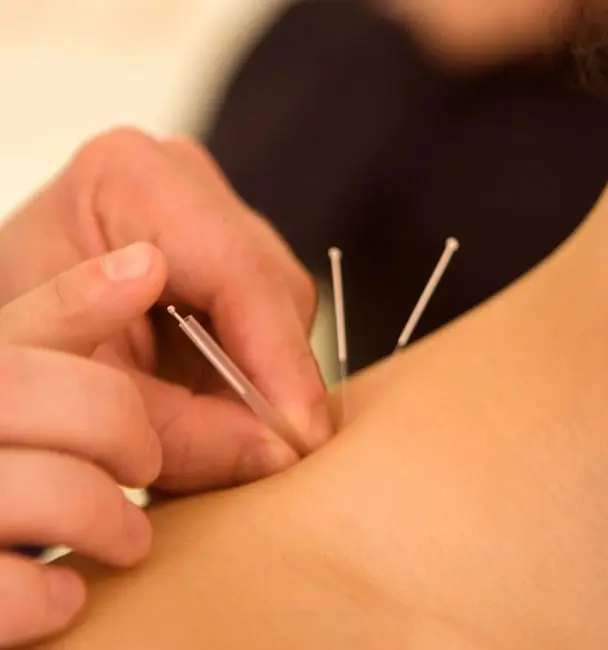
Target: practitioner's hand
[(223, 261), (70, 429)]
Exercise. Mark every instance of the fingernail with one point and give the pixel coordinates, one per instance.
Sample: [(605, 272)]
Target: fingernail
[(138, 529), (66, 592), (128, 263), (155, 456), (264, 459)]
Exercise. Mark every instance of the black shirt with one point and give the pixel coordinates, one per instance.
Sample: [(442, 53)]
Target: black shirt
[(342, 133)]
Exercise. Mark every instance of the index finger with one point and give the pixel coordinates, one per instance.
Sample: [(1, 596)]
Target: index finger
[(215, 263)]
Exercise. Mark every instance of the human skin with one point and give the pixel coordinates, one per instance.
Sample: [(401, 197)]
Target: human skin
[(129, 225), (462, 506), (476, 33), (223, 260)]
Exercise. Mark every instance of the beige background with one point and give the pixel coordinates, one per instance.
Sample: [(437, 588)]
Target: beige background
[(70, 68)]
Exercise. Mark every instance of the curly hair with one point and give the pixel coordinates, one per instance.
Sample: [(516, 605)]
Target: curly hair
[(587, 46)]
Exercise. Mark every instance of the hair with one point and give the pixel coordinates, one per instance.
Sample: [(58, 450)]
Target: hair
[(587, 46)]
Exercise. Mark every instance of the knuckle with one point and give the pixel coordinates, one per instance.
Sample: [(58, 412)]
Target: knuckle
[(105, 152), (109, 172), (120, 141)]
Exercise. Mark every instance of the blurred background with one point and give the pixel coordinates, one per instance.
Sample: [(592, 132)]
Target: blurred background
[(329, 118), (71, 68)]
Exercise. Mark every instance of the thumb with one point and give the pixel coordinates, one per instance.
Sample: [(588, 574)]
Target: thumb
[(77, 310)]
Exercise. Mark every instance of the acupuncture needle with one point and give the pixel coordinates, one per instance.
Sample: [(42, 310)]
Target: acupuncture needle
[(335, 256), (237, 380), (451, 246)]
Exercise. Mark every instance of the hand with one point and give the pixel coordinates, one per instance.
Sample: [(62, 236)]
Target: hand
[(223, 261), (70, 428)]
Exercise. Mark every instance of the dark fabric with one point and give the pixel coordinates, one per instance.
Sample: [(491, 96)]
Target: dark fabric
[(341, 133)]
